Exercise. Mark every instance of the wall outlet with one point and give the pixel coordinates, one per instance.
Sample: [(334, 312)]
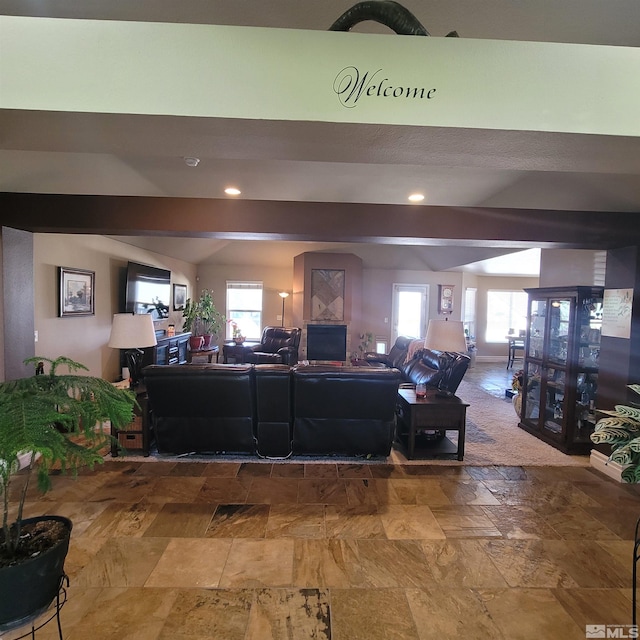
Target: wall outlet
[(35, 336)]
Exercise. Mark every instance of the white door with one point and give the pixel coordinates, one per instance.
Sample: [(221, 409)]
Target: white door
[(410, 304)]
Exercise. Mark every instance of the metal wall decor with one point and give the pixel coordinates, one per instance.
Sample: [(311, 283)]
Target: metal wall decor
[(390, 14), (327, 294)]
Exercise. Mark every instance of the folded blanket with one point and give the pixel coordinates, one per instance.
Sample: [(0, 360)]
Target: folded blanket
[(414, 346)]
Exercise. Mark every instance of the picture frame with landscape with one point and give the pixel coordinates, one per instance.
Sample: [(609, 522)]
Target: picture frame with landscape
[(76, 292), (179, 296)]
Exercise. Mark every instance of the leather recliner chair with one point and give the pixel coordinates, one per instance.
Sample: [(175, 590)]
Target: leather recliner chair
[(395, 358), (278, 345), (436, 369)]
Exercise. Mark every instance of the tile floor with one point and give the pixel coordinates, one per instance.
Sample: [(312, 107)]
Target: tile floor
[(252, 551)]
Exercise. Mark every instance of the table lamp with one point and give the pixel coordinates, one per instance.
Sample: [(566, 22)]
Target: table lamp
[(446, 336), (132, 332)]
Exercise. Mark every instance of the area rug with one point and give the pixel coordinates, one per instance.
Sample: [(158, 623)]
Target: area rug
[(492, 438)]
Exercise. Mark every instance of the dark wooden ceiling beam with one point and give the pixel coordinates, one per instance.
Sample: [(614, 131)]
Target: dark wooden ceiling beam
[(316, 221)]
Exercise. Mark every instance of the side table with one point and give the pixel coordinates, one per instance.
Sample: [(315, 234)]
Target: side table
[(137, 436), (432, 413), (208, 353), (236, 353)]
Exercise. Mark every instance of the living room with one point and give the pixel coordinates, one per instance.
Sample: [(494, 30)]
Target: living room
[(122, 126), (85, 338), (497, 190)]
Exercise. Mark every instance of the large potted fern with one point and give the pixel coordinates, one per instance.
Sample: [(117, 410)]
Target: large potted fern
[(621, 429), (58, 421)]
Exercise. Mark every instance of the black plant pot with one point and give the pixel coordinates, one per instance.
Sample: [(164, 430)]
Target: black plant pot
[(29, 588)]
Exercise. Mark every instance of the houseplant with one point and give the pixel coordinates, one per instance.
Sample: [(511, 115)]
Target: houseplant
[(366, 340), (621, 430), (202, 318), (236, 332), (58, 419)]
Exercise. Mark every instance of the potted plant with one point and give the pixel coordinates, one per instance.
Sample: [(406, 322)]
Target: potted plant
[(236, 332), (621, 430), (203, 319), (57, 419), (366, 340)]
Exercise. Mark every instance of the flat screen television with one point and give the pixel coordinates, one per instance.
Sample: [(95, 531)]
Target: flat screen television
[(148, 290)]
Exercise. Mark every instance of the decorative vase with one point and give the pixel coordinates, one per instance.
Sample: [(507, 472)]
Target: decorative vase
[(196, 342), (517, 403), (239, 340)]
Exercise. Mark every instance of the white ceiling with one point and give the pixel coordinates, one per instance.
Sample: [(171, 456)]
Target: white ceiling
[(138, 155)]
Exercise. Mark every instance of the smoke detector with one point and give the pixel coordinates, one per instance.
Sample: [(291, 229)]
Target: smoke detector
[(192, 162)]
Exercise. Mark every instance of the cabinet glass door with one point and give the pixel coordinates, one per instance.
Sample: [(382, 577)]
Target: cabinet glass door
[(585, 413), (537, 319), (559, 329), (531, 404), (590, 323), (555, 408)]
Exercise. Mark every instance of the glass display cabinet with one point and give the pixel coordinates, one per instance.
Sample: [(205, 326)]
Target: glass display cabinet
[(562, 350)]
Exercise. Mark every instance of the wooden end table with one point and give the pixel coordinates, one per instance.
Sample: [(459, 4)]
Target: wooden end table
[(236, 353), (209, 353), (435, 414)]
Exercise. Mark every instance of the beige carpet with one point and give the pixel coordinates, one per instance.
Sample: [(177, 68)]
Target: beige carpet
[(493, 435), (493, 438)]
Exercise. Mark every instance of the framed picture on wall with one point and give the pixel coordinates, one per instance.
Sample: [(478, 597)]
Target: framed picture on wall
[(77, 295), (179, 296)]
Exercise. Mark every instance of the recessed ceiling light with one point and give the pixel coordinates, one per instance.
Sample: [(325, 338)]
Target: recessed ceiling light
[(232, 191), (191, 161), (416, 197)]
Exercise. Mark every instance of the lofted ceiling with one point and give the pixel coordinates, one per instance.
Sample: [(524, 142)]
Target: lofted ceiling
[(45, 152)]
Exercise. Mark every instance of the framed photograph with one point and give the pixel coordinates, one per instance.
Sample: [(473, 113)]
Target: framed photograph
[(179, 296), (77, 296)]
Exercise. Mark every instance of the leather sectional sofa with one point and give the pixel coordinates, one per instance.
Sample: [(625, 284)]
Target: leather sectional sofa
[(436, 369), (276, 410), (272, 410)]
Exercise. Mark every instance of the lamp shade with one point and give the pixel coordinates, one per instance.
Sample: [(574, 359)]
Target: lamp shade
[(132, 331), (446, 335)]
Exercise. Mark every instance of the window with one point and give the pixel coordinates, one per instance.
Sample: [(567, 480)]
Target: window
[(244, 307), (470, 313), (505, 310)]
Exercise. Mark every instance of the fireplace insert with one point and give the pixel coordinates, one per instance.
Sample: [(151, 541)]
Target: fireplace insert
[(327, 342)]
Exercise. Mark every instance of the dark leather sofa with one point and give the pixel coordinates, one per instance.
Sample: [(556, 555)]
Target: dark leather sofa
[(278, 345), (395, 357), (344, 410), (436, 369), (202, 408), (272, 410)]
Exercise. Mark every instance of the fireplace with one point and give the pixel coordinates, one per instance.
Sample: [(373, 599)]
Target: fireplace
[(327, 342)]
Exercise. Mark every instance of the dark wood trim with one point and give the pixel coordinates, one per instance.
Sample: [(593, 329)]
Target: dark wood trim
[(318, 221)]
